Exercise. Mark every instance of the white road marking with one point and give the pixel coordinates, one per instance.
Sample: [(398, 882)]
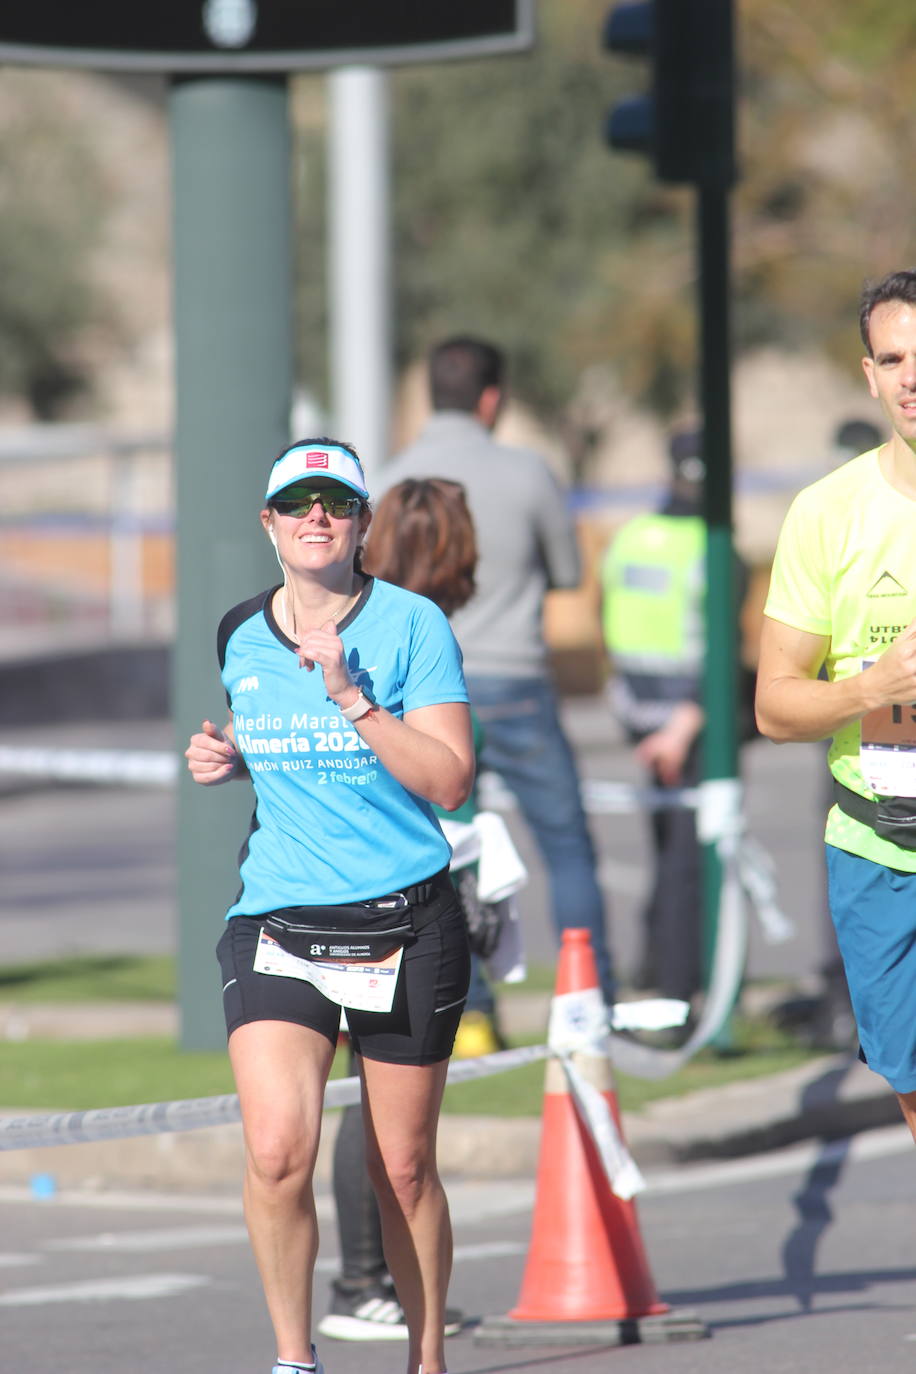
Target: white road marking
[(143, 1200), (169, 1238), (104, 1290), (494, 1249), (497, 1249)]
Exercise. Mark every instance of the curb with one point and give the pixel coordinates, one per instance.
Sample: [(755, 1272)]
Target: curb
[(826, 1099)]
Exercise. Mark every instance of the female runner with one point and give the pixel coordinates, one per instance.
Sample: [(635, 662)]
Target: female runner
[(349, 712)]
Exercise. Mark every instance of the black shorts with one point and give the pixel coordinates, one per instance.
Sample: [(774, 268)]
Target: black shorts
[(429, 998)]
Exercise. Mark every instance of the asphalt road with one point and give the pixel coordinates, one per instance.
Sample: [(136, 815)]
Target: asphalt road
[(799, 1260), (91, 868)]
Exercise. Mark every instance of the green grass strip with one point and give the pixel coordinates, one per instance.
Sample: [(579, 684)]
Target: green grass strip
[(51, 1075), (45, 1075), (92, 978)]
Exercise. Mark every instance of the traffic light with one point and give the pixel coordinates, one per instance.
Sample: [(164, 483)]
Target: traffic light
[(685, 122)]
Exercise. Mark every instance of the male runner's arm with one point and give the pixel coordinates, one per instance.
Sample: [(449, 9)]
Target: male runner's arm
[(793, 704)]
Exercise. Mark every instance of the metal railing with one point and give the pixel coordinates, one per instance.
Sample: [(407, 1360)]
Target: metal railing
[(86, 517)]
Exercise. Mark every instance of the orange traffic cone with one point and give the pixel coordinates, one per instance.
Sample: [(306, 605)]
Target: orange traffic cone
[(586, 1264)]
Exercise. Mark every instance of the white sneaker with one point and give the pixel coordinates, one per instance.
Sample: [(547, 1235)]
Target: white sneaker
[(290, 1368), (374, 1316)]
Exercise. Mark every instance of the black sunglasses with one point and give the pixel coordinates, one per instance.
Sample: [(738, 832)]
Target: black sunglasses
[(332, 503)]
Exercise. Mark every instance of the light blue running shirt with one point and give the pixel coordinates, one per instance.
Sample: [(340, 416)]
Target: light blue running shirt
[(331, 824)]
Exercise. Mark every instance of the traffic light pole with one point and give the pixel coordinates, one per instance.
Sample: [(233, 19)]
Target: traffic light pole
[(720, 750), (685, 125)]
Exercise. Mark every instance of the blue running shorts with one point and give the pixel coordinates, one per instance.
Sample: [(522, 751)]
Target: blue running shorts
[(874, 912)]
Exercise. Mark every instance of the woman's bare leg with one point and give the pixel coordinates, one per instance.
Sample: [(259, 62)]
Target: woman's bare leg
[(280, 1072), (401, 1112)]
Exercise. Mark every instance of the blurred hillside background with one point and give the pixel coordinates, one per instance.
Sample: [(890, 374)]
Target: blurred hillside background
[(512, 219)]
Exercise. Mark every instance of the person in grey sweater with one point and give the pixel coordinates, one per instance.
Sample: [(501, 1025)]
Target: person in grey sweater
[(527, 546)]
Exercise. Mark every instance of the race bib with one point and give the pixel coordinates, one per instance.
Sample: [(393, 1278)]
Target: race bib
[(354, 983), (887, 751)]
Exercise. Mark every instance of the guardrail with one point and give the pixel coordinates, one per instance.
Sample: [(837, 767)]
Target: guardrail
[(92, 496)]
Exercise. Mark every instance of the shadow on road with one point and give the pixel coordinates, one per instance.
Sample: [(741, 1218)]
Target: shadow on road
[(801, 1280)]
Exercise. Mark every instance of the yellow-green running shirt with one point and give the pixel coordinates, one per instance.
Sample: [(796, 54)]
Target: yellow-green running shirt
[(845, 567)]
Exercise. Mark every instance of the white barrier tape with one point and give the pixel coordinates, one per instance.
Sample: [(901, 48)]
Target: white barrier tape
[(160, 769), (118, 1123), (578, 1028), (465, 1070), (758, 876), (747, 871), (642, 1061), (649, 1014), (721, 821), (720, 811), (618, 798), (135, 767), (746, 866), (718, 804), (619, 1165)]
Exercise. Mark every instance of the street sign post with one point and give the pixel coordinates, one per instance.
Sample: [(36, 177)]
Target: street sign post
[(239, 36)]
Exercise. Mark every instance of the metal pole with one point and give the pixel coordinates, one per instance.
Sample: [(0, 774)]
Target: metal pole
[(359, 261), (720, 747), (233, 336), (125, 543)]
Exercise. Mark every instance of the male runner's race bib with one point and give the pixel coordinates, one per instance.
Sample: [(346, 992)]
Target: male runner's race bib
[(887, 751)]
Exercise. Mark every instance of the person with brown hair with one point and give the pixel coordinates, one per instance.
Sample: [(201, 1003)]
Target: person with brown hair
[(422, 539)]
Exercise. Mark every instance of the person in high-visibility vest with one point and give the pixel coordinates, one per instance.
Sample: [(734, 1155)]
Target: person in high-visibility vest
[(653, 587)]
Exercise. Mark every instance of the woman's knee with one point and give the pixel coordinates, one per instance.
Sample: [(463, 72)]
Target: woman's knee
[(277, 1157), (407, 1176)]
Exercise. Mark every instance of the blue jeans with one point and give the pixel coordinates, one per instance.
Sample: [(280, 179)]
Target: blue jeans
[(524, 743)]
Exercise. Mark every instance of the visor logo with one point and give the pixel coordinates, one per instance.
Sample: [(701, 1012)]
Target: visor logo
[(316, 460)]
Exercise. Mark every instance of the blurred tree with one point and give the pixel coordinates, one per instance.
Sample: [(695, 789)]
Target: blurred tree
[(513, 219), (824, 203), (52, 201), (508, 208)]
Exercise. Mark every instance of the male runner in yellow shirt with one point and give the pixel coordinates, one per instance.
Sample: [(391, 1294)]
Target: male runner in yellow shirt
[(843, 594)]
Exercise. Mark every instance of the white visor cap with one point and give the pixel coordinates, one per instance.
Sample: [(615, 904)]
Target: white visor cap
[(318, 463)]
